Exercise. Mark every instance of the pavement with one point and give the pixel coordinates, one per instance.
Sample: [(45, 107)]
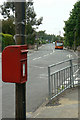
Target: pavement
[(63, 106)]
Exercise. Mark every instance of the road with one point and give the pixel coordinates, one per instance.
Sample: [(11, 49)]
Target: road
[(37, 84), (38, 62)]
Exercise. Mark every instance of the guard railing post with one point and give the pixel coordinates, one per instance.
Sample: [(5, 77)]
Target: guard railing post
[(71, 75), (49, 83)]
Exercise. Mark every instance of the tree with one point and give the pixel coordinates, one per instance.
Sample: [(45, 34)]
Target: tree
[(72, 24), (8, 27), (32, 21), (8, 10), (44, 37), (31, 15), (31, 34)]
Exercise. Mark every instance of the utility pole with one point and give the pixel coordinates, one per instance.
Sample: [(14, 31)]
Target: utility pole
[(20, 89)]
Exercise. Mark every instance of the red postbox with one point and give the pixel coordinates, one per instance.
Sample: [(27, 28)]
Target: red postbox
[(14, 64)]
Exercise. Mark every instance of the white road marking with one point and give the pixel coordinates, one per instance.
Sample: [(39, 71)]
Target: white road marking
[(69, 55), (44, 55), (40, 67), (76, 54), (51, 53), (43, 76), (34, 59), (37, 58)]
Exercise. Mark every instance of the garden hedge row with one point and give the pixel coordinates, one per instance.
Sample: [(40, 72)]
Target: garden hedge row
[(5, 40)]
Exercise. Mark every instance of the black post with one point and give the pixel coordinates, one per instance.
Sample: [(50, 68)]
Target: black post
[(20, 89)]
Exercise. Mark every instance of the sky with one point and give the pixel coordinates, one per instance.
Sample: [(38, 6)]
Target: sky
[(54, 13)]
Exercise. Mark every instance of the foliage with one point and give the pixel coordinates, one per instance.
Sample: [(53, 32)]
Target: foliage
[(30, 34), (8, 27), (6, 39), (31, 15), (8, 10), (43, 42), (31, 21), (72, 27), (44, 37)]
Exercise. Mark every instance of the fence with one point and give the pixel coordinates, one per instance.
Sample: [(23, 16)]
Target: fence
[(63, 78)]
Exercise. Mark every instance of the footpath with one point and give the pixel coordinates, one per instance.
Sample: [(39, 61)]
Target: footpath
[(64, 106)]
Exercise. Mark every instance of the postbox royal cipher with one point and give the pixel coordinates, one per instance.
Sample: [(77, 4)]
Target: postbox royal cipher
[(14, 64)]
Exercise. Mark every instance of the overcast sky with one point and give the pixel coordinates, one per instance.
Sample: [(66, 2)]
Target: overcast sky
[(54, 13)]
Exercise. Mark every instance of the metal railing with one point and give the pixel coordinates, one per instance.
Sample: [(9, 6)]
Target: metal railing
[(63, 78)]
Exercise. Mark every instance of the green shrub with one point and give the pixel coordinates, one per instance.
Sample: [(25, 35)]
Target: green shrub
[(6, 39), (43, 42)]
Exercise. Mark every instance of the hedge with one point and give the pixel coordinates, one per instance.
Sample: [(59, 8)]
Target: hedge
[(6, 39)]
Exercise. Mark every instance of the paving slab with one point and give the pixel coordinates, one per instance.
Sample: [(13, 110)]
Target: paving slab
[(64, 106)]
